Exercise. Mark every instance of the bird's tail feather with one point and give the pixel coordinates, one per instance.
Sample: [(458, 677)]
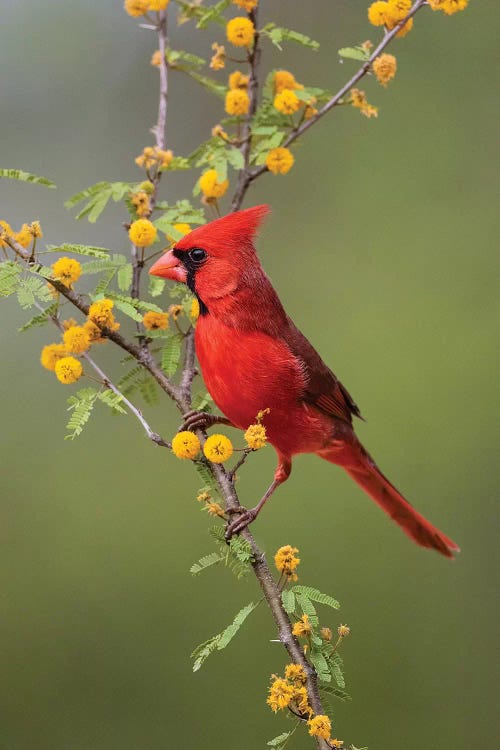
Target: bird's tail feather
[(361, 467)]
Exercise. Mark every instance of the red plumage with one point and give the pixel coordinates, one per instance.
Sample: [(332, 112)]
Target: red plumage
[(253, 357)]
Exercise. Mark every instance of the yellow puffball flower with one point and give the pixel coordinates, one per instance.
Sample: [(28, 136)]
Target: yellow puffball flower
[(76, 339), (286, 561), (155, 321), (214, 509), (237, 102), (68, 370), (136, 8), (155, 59), (384, 67), (280, 694), (326, 634), (238, 80), (185, 445), (295, 673), (181, 228), (343, 631), (94, 332), (36, 229), (51, 354), (194, 313), (164, 157), (336, 743), (283, 79), (24, 236), (398, 9), (4, 228), (218, 60), (247, 5), (358, 100), (158, 4), (100, 313), (240, 31), (302, 627), (279, 160), (449, 6), (256, 437), (211, 188), (140, 202), (67, 270), (142, 233), (218, 448), (287, 102), (403, 31), (377, 13), (320, 726)]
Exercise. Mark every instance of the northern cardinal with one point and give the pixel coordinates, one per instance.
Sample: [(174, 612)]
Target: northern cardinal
[(253, 357)]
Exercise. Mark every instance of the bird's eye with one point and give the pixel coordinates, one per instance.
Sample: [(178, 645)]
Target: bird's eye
[(197, 254)]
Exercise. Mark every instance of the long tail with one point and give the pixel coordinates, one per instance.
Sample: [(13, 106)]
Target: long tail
[(363, 469)]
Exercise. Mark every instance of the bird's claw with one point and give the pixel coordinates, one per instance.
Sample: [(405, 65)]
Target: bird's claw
[(240, 523), (197, 420)]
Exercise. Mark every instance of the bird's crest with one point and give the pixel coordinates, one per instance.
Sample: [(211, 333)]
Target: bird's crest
[(223, 236)]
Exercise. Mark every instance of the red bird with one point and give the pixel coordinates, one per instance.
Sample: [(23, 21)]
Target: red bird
[(253, 357)]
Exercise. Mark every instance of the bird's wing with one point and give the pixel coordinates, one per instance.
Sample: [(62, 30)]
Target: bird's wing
[(323, 389)]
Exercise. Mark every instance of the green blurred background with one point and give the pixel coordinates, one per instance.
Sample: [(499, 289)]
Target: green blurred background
[(382, 244)]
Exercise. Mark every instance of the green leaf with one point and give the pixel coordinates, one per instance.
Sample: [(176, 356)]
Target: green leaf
[(89, 250), (316, 596), (208, 83), (113, 400), (235, 158), (40, 319), (278, 741), (171, 355), (213, 14), (307, 608), (105, 281), (320, 665), (202, 401), (336, 664), (206, 562), (336, 692), (180, 59), (111, 263), (125, 277), (81, 407), (98, 196), (288, 599), (139, 304), (278, 34), (17, 174), (228, 634), (156, 286), (203, 651), (206, 476), (149, 390), (354, 53), (30, 290), (129, 310), (10, 277)]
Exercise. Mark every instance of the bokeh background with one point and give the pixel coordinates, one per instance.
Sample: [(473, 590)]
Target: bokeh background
[(383, 245)]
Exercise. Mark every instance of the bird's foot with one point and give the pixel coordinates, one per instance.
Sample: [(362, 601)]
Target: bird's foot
[(243, 520), (200, 420)]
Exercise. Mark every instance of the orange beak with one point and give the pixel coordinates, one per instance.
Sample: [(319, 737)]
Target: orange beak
[(169, 267)]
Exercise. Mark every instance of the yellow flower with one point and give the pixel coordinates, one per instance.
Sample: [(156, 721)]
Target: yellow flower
[(140, 202), (403, 31), (283, 79), (218, 448), (182, 228), (286, 561), (280, 694), (24, 236), (237, 102), (377, 13), (152, 156), (67, 270), (384, 67), (147, 187), (218, 60), (295, 673), (287, 102), (256, 437), (336, 743), (302, 627), (219, 132), (68, 370), (279, 160), (158, 4), (69, 323), (343, 630), (397, 10), (136, 8), (238, 80), (164, 157), (247, 5), (175, 310), (142, 233), (36, 229), (76, 339), (5, 228), (310, 110), (320, 726), (301, 700), (203, 497), (101, 314), (155, 321), (94, 332), (214, 509), (358, 100), (211, 187), (449, 6), (194, 313), (155, 59), (185, 445), (240, 31), (326, 634), (52, 354)]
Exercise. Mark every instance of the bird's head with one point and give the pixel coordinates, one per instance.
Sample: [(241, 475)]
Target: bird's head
[(213, 258)]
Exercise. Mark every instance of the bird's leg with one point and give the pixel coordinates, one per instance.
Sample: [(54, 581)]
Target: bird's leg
[(248, 516), (201, 420)]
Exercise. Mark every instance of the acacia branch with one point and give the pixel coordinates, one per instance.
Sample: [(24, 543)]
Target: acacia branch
[(248, 175)]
